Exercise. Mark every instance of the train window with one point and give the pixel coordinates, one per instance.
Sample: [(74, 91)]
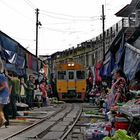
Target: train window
[(80, 74), (71, 75), (62, 75)]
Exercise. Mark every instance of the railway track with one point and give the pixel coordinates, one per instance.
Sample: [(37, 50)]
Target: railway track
[(79, 130), (54, 127)]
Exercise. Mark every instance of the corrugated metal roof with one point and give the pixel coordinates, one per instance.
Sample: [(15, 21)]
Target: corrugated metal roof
[(125, 11), (128, 9), (134, 2)]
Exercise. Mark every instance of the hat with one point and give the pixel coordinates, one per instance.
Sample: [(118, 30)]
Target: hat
[(1, 66)]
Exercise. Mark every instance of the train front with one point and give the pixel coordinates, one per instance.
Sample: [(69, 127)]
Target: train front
[(71, 81)]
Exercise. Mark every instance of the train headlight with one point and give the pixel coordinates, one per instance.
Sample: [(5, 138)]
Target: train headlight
[(70, 64)]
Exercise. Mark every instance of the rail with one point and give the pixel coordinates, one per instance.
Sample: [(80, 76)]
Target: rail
[(35, 124), (69, 114)]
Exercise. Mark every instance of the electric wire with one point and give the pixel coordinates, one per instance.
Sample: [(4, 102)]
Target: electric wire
[(15, 10), (59, 23), (59, 30), (70, 16), (59, 16), (23, 39), (29, 3), (62, 18)]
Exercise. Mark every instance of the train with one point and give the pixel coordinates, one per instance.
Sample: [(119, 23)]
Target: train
[(71, 81)]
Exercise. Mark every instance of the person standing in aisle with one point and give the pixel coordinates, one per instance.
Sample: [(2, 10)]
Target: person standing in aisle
[(43, 90), (30, 91), (6, 109), (23, 88), (4, 97), (14, 96)]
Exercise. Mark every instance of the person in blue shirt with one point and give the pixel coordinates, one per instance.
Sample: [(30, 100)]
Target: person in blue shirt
[(4, 97)]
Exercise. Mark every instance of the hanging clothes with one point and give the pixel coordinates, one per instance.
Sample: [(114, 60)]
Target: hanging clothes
[(98, 67)]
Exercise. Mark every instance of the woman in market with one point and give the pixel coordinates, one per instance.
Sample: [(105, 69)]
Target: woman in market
[(117, 90)]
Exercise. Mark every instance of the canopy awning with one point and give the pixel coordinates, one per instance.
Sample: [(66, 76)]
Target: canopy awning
[(131, 61)]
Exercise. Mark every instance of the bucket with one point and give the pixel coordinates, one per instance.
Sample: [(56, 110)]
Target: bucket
[(121, 125)]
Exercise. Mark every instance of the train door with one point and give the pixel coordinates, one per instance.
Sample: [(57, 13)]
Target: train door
[(81, 83), (62, 82), (71, 80)]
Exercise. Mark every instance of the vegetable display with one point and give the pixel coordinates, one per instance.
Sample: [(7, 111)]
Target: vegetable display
[(120, 135)]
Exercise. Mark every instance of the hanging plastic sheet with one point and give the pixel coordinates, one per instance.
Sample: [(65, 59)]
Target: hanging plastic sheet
[(119, 54), (34, 64), (97, 68), (108, 66), (29, 60), (13, 68), (9, 56), (132, 61), (8, 43), (21, 51), (120, 57), (103, 71), (20, 62)]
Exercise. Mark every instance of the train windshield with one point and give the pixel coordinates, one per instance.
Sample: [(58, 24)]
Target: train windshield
[(61, 75), (71, 75), (80, 74)]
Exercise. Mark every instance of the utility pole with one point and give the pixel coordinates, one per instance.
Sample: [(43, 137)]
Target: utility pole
[(103, 26), (37, 23)]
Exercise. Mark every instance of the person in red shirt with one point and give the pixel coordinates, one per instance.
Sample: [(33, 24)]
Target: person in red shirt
[(43, 89)]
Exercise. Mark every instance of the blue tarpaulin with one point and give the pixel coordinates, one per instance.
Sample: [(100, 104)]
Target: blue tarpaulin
[(108, 66), (120, 57), (21, 51), (8, 43), (15, 69), (14, 62), (20, 62), (9, 56), (132, 61)]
